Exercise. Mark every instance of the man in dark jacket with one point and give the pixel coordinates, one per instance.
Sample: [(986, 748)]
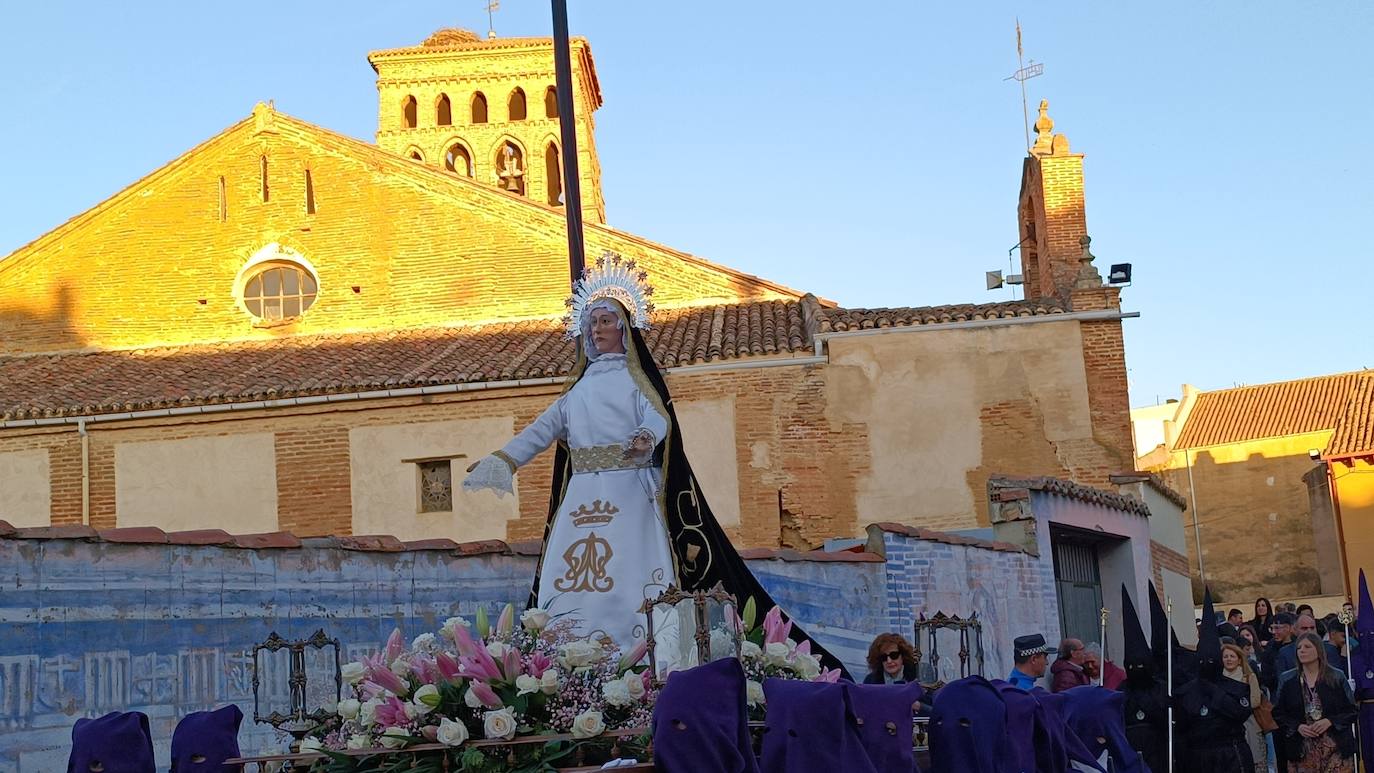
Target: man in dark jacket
[(1288, 655), (1067, 671)]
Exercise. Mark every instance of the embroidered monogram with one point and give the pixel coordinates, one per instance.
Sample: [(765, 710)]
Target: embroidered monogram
[(586, 560)]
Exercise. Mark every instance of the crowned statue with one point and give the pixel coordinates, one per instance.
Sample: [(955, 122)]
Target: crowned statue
[(626, 518)]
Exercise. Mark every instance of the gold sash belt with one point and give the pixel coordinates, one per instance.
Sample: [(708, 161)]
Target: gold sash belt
[(601, 458)]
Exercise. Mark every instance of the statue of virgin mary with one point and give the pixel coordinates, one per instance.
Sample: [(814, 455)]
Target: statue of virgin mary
[(626, 517)]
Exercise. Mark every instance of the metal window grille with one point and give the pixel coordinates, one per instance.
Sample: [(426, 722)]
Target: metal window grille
[(436, 486)]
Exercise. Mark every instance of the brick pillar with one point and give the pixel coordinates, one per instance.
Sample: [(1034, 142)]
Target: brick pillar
[(1052, 212), (1104, 363), (314, 481)]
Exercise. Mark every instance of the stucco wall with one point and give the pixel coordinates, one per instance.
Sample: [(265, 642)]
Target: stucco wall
[(220, 482), (1252, 503), (384, 484), (708, 436), (25, 487), (1354, 484), (944, 409)]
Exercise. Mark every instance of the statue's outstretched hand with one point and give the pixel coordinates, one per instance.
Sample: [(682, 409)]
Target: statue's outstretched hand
[(490, 472)]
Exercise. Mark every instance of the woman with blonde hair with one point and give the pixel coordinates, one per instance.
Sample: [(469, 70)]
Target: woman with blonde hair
[(1234, 666)]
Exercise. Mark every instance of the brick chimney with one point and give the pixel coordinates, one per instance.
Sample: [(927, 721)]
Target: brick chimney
[(1053, 223)]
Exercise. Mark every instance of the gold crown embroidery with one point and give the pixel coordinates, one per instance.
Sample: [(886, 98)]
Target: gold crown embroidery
[(599, 513)]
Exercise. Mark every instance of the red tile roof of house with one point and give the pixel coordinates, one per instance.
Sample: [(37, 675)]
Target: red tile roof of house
[(1268, 410), (109, 382), (1354, 435)]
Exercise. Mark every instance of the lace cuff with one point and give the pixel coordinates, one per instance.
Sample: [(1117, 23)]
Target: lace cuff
[(491, 472)]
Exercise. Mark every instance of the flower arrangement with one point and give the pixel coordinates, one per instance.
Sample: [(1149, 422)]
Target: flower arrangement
[(768, 652), (475, 682)]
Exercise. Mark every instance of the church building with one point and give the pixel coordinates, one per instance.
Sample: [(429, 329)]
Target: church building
[(287, 329)]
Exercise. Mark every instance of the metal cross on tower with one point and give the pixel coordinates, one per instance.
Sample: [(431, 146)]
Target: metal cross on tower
[(1024, 73)]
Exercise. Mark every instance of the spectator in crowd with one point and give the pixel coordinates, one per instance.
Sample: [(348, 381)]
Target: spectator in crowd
[(1315, 713), (1030, 653), (1289, 607), (1247, 632), (1304, 609), (891, 660), (1231, 628), (1067, 671), (1288, 656), (1235, 666), (1263, 619), (1097, 668), (1335, 636), (1269, 656)]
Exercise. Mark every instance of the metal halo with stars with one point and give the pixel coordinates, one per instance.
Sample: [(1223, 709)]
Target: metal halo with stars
[(612, 277)]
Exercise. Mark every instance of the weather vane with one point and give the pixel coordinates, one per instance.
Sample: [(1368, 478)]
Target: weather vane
[(1023, 73), (495, 5)]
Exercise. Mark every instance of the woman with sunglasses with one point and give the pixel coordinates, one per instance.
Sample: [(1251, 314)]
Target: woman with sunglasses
[(891, 660)]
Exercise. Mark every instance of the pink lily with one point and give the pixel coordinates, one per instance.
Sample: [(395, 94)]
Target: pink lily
[(510, 665), (447, 666), (774, 629), (371, 689), (390, 681), (462, 637), (395, 645), (804, 648), (831, 675), (481, 666), (485, 694), (425, 670), (647, 676), (392, 713), (539, 663), (635, 654)]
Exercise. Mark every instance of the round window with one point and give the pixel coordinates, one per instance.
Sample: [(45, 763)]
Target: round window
[(279, 291)]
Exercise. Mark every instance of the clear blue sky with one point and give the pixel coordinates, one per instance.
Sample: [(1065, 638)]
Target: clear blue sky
[(867, 152)]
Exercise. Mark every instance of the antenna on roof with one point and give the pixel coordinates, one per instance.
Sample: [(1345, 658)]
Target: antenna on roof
[(492, 7), (1024, 72)]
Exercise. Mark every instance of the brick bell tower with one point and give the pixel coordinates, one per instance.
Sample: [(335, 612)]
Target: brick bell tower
[(488, 109), (1057, 263)]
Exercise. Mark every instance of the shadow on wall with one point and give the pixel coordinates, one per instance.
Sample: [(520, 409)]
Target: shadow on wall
[(26, 330), (1255, 521)]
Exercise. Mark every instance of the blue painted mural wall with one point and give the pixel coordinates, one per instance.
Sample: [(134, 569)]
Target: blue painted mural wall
[(88, 627)]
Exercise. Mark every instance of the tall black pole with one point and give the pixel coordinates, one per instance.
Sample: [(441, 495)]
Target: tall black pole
[(572, 189)]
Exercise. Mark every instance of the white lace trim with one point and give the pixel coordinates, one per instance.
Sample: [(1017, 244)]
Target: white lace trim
[(491, 473)]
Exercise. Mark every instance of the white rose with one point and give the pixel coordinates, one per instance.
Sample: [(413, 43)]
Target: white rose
[(471, 700), (535, 619), (497, 649), (580, 654), (425, 700), (807, 666), (775, 654), (588, 724), (394, 737), (616, 693), (311, 745), (750, 651), (358, 742), (526, 684), (634, 684), (499, 724), (452, 733), (367, 713), (548, 683), (425, 642), (450, 624), (753, 692), (400, 667), (348, 708), (353, 672)]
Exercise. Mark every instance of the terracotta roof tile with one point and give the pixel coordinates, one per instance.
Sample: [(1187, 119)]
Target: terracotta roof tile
[(91, 383), (1268, 410), (841, 320), (999, 486), (1354, 435)]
